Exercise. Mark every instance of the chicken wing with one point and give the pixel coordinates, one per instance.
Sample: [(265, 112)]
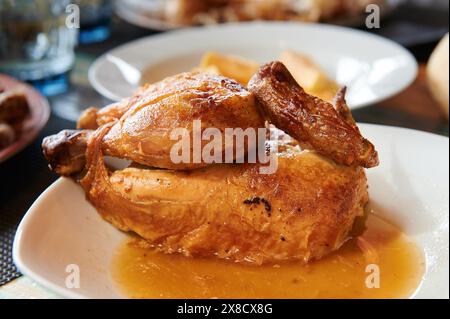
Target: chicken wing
[(311, 121)]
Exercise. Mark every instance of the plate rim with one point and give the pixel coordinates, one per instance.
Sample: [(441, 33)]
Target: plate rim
[(17, 253), (102, 59), (66, 293)]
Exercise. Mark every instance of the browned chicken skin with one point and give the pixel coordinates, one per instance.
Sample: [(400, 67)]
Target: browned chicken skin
[(310, 120), (143, 124), (303, 211), (146, 119)]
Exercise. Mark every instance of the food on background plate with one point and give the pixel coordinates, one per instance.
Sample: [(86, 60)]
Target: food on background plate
[(231, 66), (306, 72), (7, 135), (194, 12), (14, 110), (309, 75), (226, 210)]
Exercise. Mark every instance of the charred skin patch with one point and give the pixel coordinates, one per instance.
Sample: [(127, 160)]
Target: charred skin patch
[(258, 201), (252, 201)]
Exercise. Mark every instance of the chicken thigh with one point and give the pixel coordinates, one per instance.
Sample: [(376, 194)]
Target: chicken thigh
[(143, 124)]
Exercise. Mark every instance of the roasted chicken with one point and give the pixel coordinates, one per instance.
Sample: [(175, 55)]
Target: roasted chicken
[(303, 211), (14, 111)]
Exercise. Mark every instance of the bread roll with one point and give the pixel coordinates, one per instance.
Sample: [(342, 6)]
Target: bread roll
[(437, 74)]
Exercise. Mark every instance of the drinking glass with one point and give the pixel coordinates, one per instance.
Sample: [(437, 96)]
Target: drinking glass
[(95, 20), (36, 45)]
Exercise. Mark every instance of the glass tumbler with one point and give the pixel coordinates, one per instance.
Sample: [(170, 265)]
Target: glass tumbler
[(36, 44)]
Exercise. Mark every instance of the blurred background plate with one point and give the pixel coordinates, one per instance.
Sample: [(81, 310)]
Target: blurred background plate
[(40, 112), (152, 14), (145, 14), (428, 18), (372, 67)]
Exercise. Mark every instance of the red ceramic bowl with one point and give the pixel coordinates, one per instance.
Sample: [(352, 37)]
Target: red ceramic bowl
[(40, 112)]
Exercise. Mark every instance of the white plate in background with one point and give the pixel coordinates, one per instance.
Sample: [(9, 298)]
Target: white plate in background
[(372, 67), (411, 186), (151, 14)]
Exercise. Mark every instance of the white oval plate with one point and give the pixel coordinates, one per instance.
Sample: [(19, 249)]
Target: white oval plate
[(372, 67), (411, 185)]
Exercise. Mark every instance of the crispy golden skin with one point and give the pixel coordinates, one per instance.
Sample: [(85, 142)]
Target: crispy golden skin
[(65, 152), (302, 212), (143, 124), (308, 119), (93, 118)]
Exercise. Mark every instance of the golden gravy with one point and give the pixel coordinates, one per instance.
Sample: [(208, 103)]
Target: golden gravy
[(143, 273)]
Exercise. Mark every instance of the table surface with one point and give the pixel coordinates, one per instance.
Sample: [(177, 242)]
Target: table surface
[(26, 175)]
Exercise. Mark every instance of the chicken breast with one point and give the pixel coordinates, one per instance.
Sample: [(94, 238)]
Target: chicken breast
[(302, 212)]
